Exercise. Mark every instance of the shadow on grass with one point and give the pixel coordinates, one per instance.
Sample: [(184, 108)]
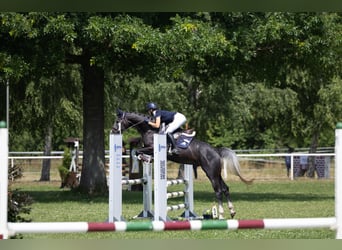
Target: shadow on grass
[(200, 196), (264, 197)]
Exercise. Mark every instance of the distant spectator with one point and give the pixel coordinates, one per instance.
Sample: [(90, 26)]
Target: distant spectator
[(288, 161)]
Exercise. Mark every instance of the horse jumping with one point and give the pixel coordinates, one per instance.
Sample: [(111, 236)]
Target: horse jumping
[(198, 153)]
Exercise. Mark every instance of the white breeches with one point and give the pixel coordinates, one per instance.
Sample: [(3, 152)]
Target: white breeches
[(178, 121)]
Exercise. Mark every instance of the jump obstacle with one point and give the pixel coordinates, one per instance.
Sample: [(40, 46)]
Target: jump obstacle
[(160, 183), (7, 229), (116, 182)]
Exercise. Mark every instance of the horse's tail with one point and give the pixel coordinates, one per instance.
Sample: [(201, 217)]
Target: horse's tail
[(229, 160)]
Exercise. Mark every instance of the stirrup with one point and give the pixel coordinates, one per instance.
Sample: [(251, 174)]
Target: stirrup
[(175, 151)]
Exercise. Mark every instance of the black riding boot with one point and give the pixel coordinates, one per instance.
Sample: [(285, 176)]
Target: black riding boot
[(171, 140)]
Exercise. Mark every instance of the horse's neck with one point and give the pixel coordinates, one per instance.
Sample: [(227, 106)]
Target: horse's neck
[(147, 138), (143, 129)]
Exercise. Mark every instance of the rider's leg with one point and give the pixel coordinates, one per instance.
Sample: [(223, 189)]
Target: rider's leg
[(177, 122), (171, 139)]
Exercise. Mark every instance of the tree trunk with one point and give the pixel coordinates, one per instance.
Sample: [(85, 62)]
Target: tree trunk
[(93, 176), (46, 165)]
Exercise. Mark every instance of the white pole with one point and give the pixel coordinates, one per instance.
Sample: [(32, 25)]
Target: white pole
[(160, 177), (115, 177), (3, 180), (7, 103), (291, 172), (338, 180), (147, 189), (189, 190)]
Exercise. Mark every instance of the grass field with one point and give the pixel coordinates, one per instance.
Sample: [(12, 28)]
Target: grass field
[(264, 199)]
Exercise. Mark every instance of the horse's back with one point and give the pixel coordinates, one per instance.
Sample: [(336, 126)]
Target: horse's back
[(198, 153)]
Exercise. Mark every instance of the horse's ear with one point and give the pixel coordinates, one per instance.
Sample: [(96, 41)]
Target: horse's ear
[(119, 112)]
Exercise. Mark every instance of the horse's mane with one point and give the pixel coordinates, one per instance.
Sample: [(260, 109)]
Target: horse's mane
[(142, 116), (137, 113)]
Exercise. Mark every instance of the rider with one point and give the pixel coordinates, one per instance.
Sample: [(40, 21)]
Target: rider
[(172, 121)]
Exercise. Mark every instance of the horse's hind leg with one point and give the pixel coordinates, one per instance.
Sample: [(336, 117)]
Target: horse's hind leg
[(221, 188), (226, 192), (219, 197), (215, 182)]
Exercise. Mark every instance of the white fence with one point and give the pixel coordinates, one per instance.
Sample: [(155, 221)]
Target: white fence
[(259, 166)]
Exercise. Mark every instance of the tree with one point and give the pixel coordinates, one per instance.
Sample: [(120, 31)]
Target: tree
[(34, 105), (285, 60), (295, 51)]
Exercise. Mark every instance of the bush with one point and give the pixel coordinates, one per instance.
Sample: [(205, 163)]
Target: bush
[(18, 205), (68, 178)]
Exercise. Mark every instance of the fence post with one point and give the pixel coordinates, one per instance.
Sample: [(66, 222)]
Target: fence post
[(160, 177), (115, 177), (3, 180), (189, 191), (147, 190), (338, 180)]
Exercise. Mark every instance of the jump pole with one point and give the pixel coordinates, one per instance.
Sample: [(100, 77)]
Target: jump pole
[(195, 225), (3, 179)]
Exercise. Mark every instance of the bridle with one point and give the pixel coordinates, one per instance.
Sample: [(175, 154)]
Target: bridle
[(123, 118)]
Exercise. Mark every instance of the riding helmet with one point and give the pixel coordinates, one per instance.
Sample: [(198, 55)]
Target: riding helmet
[(151, 105)]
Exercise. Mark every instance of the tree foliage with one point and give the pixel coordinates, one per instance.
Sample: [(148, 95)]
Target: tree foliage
[(244, 80)]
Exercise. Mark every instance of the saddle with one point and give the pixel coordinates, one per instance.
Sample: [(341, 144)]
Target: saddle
[(184, 138), (189, 132)]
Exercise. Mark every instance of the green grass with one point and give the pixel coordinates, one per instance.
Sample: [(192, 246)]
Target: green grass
[(281, 199)]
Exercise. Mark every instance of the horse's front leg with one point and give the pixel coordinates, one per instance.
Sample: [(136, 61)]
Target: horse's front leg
[(145, 154), (145, 150)]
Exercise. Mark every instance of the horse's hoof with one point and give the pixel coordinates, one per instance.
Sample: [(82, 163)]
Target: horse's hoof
[(232, 214)]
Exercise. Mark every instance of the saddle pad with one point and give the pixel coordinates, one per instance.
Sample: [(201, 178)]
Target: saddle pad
[(184, 141)]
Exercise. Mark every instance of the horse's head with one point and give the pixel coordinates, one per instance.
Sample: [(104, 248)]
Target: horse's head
[(120, 123), (126, 120)]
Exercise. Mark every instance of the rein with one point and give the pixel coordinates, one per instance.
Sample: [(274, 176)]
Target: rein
[(132, 126)]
